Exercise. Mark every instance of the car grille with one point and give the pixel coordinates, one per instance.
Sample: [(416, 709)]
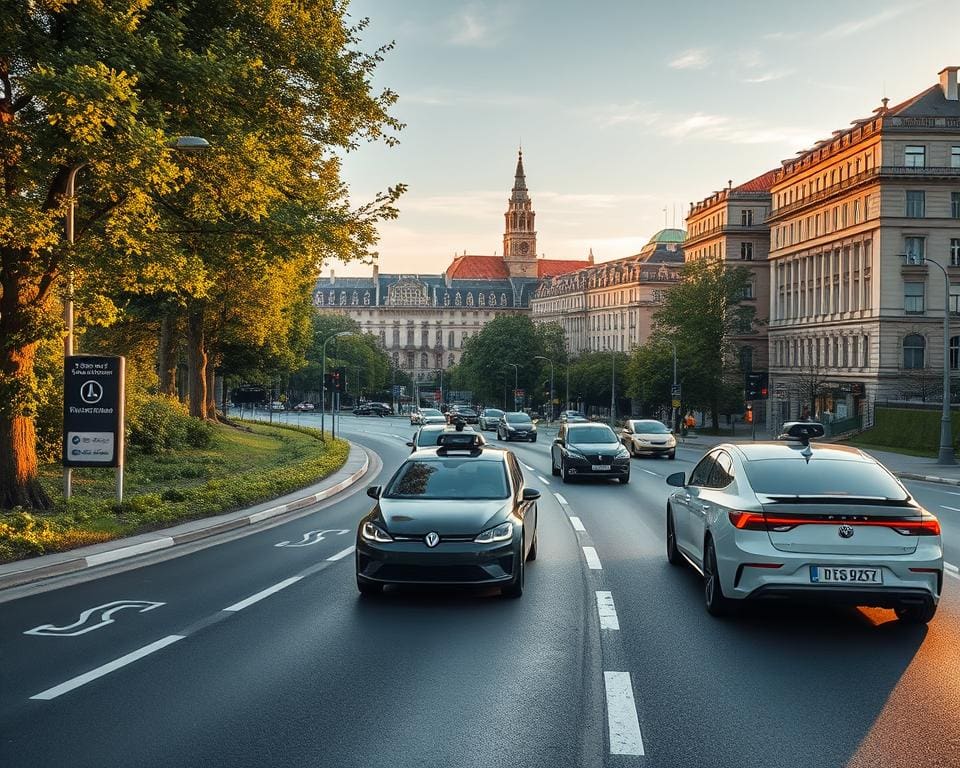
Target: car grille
[(398, 572)]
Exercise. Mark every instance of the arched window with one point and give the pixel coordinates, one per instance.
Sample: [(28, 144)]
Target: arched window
[(503, 299), (446, 299), (493, 299), (954, 352), (450, 340), (469, 299), (913, 347), (424, 336), (355, 299), (481, 300), (366, 298), (410, 360), (457, 300), (423, 360)]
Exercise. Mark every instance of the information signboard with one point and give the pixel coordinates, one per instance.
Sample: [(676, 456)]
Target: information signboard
[(93, 388)]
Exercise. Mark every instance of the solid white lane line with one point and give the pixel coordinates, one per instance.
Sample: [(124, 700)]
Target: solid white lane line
[(576, 523), (341, 554), (650, 472), (106, 669), (607, 611), (527, 466), (561, 499), (952, 509), (265, 593), (624, 726), (593, 562), (951, 567), (543, 480)]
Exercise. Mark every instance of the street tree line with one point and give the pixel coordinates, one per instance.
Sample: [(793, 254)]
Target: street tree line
[(209, 257)]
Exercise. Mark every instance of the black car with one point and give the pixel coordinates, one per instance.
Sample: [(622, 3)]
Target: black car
[(516, 425), (428, 436), (456, 514), (589, 450), (372, 409), (465, 412)]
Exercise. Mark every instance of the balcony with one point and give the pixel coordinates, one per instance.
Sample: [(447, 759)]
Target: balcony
[(727, 229)]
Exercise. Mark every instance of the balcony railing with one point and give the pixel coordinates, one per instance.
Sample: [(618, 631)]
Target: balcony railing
[(730, 229)]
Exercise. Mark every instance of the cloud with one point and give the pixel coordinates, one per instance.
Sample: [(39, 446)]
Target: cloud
[(694, 58), (634, 113), (477, 26), (769, 77), (849, 28), (781, 36)]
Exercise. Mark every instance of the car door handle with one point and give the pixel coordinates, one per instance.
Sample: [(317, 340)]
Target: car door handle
[(704, 507)]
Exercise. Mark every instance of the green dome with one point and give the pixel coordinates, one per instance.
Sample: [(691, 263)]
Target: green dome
[(668, 236)]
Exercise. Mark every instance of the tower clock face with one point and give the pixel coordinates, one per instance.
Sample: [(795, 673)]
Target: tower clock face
[(524, 248)]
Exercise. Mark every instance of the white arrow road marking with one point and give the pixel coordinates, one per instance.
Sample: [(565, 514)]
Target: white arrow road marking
[(106, 617), (625, 738), (306, 541)]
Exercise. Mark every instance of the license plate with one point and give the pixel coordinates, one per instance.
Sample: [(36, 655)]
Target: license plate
[(600, 467), (829, 574)]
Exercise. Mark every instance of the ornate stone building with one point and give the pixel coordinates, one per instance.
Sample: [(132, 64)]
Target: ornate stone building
[(732, 225), (851, 318), (611, 305), (423, 320)]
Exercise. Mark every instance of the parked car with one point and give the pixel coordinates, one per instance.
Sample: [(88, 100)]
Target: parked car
[(820, 523), (276, 405), (489, 418), (304, 406), (465, 412), (648, 437), (589, 450), (516, 425)]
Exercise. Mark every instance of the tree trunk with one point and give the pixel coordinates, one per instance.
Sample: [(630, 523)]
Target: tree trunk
[(197, 364), (168, 353), (19, 484), (211, 390)]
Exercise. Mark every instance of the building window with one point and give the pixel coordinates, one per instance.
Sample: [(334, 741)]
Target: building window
[(914, 156), (446, 299), (913, 347), (450, 361), (383, 338), (450, 343), (366, 298), (916, 204), (746, 251), (865, 352), (481, 300), (457, 300), (396, 337), (746, 359), (913, 298), (746, 218), (410, 360), (954, 352), (914, 249), (955, 251), (469, 299), (955, 157), (955, 298), (493, 299), (955, 205), (503, 299)]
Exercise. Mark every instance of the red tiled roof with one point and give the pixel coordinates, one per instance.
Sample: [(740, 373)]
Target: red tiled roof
[(554, 267), (762, 183), (478, 268)]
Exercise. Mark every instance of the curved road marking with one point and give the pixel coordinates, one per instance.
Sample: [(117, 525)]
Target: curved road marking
[(306, 541), (106, 617)]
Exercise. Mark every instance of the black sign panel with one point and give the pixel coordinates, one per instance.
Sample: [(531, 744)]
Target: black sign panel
[(93, 411), (248, 394)]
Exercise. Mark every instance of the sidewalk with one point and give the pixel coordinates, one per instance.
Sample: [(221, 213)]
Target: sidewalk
[(59, 563)]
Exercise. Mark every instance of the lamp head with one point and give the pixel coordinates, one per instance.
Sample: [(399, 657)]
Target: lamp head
[(190, 144)]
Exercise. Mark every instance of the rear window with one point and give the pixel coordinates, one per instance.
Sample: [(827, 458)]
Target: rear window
[(518, 418), (650, 428), (428, 436), (822, 477), (493, 412), (593, 434), (430, 412), (450, 478)]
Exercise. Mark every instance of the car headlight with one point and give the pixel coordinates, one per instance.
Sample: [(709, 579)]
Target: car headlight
[(372, 533), (623, 453), (502, 532), (533, 428)]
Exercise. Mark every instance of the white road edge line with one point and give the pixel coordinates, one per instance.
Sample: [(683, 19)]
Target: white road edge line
[(341, 554), (593, 562), (622, 721), (651, 472), (527, 466), (561, 499), (106, 669), (543, 480), (952, 509), (265, 593), (607, 611), (951, 567), (953, 575), (577, 523)]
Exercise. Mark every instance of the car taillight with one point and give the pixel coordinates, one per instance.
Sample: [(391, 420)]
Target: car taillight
[(927, 525), (748, 521)]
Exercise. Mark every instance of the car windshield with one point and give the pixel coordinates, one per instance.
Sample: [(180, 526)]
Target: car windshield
[(598, 433), (493, 412), (650, 428), (430, 412), (518, 418), (449, 478), (822, 477)]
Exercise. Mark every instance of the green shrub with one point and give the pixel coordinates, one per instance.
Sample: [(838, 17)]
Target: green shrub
[(199, 434), (158, 423)]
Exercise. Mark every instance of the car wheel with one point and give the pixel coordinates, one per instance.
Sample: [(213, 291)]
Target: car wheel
[(716, 603), (515, 589), (673, 554), (672, 455), (533, 439), (916, 614), (499, 437), (625, 479), (368, 588), (554, 469), (532, 554), (564, 476)]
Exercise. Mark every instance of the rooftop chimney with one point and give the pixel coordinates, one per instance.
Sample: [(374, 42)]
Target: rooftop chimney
[(948, 82)]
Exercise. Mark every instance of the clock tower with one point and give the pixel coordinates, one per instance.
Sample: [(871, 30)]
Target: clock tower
[(519, 236)]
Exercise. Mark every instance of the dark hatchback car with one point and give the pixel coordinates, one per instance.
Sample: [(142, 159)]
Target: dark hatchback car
[(516, 425), (589, 450), (458, 514), (373, 409), (464, 412)]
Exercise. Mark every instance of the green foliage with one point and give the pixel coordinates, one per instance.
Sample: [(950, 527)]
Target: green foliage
[(906, 429), (159, 423), (592, 374)]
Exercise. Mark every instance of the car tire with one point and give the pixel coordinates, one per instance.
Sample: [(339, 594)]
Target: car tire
[(532, 554), (533, 439), (554, 469), (515, 588), (498, 436), (625, 479), (369, 589), (564, 476), (717, 604), (673, 554), (672, 455), (916, 614)]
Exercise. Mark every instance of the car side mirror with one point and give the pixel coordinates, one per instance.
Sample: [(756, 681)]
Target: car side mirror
[(409, 443), (558, 440), (677, 479), (530, 494), (374, 491)]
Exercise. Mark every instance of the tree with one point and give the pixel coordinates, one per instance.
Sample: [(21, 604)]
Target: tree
[(592, 373), (505, 340), (276, 87)]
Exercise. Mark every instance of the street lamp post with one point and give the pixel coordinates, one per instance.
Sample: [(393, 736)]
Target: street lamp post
[(673, 410), (613, 387), (516, 373), (541, 357), (945, 454), (323, 380)]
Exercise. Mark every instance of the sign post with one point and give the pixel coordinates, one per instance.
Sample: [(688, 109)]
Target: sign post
[(93, 418)]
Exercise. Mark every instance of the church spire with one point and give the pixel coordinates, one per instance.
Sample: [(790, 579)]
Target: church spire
[(520, 181)]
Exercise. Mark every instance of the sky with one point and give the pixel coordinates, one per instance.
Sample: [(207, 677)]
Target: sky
[(627, 111)]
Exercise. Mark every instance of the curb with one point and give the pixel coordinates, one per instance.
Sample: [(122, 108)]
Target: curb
[(926, 478), (27, 575)]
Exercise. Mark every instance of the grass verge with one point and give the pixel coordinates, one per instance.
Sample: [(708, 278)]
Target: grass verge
[(241, 467)]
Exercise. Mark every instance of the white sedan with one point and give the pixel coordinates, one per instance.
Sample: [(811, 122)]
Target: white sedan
[(427, 416), (648, 437), (821, 523)]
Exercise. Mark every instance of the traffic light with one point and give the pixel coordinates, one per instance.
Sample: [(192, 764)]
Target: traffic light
[(756, 386), (328, 381), (340, 380)]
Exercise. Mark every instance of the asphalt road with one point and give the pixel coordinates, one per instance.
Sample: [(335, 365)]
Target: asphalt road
[(194, 672)]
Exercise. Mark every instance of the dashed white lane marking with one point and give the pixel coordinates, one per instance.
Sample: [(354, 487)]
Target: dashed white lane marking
[(607, 611), (576, 523), (622, 721), (952, 509), (262, 594), (527, 466), (561, 499), (650, 472), (106, 669), (951, 570), (952, 493), (543, 480), (593, 562), (341, 554)]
